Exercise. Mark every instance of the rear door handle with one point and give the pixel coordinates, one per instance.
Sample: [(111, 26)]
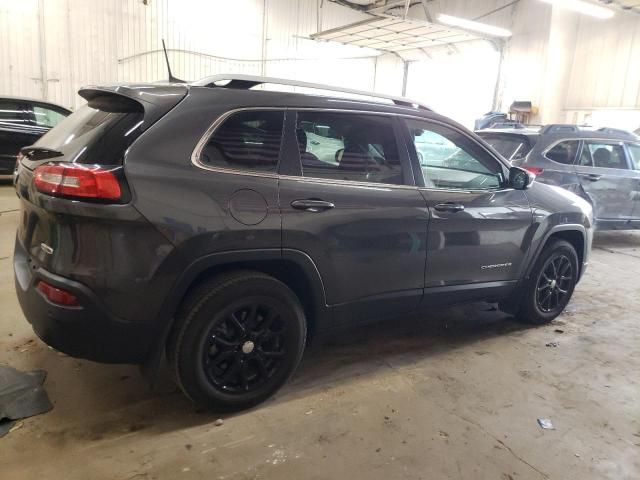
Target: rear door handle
[(593, 177), (449, 207), (312, 205)]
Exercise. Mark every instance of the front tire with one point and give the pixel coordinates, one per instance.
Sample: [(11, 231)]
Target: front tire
[(551, 284), (237, 340)]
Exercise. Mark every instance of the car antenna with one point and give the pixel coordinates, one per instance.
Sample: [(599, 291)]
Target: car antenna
[(172, 79)]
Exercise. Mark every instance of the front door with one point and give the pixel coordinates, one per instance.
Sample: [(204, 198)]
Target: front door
[(478, 229), (605, 175), (354, 210)]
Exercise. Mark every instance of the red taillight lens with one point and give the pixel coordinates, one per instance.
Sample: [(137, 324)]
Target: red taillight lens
[(535, 170), (82, 181), (57, 295)]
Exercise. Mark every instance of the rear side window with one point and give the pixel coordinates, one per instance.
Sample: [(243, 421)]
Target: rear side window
[(47, 117), (247, 140), (348, 146), (94, 135), (564, 152), (12, 113)]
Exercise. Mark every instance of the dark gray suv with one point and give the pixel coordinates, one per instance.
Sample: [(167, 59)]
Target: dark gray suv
[(602, 166), (217, 227)]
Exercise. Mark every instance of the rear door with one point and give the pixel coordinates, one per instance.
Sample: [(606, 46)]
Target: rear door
[(478, 227), (351, 205), (605, 175), (634, 154)]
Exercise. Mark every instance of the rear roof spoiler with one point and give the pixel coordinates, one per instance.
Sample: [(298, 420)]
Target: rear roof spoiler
[(155, 100)]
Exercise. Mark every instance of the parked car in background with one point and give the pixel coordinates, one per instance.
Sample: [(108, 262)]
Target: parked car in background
[(22, 122), (217, 227), (601, 166)]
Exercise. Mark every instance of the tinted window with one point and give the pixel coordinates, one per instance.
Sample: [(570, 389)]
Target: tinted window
[(11, 113), (607, 155), (90, 135), (247, 141), (46, 117), (511, 147), (564, 152), (451, 160), (346, 146), (634, 150)]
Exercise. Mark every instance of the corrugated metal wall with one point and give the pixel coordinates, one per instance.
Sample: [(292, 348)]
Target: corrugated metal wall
[(606, 64), (102, 41)]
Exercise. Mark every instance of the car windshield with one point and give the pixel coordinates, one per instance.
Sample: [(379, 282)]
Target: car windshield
[(511, 147)]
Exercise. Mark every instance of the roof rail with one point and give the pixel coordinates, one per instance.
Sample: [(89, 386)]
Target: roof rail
[(249, 81), (559, 128), (617, 131)]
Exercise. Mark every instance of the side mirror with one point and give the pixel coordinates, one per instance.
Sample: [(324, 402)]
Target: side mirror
[(519, 178)]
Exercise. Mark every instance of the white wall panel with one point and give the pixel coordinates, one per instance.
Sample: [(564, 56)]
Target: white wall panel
[(103, 41), (606, 64)]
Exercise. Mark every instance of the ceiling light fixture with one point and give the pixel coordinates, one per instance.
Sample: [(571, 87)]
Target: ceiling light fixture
[(475, 26), (583, 7)]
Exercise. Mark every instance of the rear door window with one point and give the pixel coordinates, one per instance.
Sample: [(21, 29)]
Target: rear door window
[(606, 155), (564, 152), (248, 140), (348, 146)]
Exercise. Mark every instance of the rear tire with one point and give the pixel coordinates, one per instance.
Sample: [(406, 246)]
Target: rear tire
[(550, 285), (237, 339)]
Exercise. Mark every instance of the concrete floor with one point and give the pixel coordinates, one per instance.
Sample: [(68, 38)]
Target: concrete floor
[(454, 396)]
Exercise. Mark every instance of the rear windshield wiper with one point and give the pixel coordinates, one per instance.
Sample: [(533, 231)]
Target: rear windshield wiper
[(40, 153)]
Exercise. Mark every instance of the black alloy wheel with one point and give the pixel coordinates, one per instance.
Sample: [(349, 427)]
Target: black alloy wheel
[(554, 283)]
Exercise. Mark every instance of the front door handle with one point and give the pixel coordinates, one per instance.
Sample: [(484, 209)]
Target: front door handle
[(449, 207), (593, 177), (312, 205)]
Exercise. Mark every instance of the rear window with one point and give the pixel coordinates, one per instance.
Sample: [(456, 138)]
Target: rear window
[(95, 136), (511, 147)]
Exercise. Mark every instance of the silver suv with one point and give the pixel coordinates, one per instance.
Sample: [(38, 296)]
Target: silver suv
[(602, 166)]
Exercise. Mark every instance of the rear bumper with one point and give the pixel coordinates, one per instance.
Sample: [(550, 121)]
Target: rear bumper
[(88, 331)]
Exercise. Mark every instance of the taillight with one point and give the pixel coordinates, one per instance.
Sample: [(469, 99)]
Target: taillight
[(57, 295), (535, 170), (80, 181)]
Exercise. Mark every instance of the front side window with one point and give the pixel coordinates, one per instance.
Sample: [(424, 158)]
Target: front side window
[(564, 152), (634, 150), (46, 117), (248, 140), (348, 146), (451, 160), (604, 155)]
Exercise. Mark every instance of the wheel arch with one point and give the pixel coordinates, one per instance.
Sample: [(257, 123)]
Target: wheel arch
[(292, 267), (575, 234)]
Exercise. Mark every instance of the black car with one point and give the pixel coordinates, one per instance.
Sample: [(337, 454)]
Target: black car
[(195, 223), (602, 166), (22, 122)]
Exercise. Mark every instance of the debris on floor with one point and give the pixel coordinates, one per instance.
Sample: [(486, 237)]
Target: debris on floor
[(219, 422), (21, 396), (546, 424), (552, 344), (559, 330)]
